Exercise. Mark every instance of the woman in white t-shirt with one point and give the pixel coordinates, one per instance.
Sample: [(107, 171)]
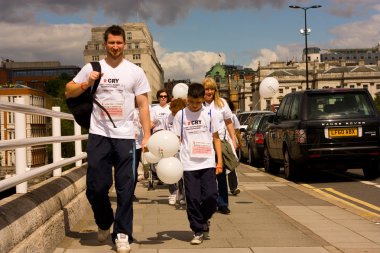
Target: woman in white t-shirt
[(222, 112), (159, 113)]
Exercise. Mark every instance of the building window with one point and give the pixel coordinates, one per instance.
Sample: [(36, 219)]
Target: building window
[(129, 45), (294, 90), (129, 35), (352, 86), (378, 86), (365, 86), (268, 104), (95, 58), (138, 64), (280, 90), (137, 45), (136, 57), (97, 47)]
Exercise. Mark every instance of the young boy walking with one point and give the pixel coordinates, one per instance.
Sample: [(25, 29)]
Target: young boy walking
[(198, 133)]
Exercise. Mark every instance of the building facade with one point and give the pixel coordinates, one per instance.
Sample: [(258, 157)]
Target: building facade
[(352, 56), (27, 80), (33, 74), (36, 126), (322, 75), (234, 82), (139, 50)]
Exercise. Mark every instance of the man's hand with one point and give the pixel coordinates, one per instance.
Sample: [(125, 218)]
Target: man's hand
[(93, 77)]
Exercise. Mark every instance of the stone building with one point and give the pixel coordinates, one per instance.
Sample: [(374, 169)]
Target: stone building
[(27, 80), (139, 50), (322, 75), (234, 82)]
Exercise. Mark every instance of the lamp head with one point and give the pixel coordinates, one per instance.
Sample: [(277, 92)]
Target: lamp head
[(316, 6), (294, 6)]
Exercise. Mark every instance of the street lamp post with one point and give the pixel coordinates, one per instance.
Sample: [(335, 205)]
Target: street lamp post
[(305, 31)]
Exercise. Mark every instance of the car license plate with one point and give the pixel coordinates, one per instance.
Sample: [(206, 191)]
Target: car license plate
[(343, 132)]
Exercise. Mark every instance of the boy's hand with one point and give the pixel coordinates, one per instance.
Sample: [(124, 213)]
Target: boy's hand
[(219, 169)]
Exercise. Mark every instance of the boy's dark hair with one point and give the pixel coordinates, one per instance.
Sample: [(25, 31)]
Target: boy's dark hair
[(161, 91), (196, 90), (114, 30)]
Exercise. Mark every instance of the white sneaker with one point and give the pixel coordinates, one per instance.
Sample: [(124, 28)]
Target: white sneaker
[(103, 234), (172, 199), (122, 244), (197, 239)]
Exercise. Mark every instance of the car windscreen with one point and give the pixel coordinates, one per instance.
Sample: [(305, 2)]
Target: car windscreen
[(338, 105), (243, 118)]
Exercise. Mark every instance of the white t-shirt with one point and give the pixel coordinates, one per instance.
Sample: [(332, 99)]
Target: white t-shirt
[(116, 92), (158, 115), (235, 122), (221, 114), (168, 125), (195, 129), (139, 133)]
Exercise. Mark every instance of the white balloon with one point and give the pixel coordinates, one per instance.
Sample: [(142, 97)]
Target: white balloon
[(180, 90), (150, 158), (163, 144), (268, 87), (169, 170)]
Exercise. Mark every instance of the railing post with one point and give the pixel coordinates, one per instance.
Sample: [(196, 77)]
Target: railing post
[(20, 133), (57, 153), (78, 144)]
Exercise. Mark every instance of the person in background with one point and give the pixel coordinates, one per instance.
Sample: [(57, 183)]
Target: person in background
[(159, 113), (232, 176), (121, 83), (176, 190), (222, 112), (198, 131)]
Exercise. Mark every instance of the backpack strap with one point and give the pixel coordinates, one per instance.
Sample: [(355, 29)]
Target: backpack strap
[(96, 67)]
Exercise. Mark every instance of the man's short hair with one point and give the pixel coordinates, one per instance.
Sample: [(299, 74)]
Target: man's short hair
[(196, 90), (114, 30)]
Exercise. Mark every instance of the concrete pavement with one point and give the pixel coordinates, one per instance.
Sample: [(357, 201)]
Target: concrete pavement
[(269, 215)]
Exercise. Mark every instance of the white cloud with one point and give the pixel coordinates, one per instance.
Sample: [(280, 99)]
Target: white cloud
[(43, 42), (281, 53), (187, 65)]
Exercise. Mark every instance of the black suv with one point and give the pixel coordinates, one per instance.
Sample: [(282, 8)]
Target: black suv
[(324, 129)]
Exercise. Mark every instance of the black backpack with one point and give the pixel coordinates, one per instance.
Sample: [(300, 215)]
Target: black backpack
[(82, 105)]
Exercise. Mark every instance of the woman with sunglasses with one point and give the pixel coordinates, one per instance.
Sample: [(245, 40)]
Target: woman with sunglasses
[(159, 113)]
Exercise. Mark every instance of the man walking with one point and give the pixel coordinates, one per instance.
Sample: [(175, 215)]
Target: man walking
[(121, 83)]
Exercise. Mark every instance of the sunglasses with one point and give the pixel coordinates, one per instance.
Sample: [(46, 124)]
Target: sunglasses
[(162, 96)]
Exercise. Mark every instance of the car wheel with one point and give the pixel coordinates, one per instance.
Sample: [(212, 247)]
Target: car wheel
[(269, 165), (372, 171), (290, 169)]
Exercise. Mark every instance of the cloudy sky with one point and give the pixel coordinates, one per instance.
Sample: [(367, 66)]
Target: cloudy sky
[(189, 35)]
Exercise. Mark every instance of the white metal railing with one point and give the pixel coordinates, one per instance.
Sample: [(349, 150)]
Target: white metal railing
[(23, 174)]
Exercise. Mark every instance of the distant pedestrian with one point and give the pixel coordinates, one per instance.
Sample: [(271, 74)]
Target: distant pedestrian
[(160, 112), (198, 132)]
